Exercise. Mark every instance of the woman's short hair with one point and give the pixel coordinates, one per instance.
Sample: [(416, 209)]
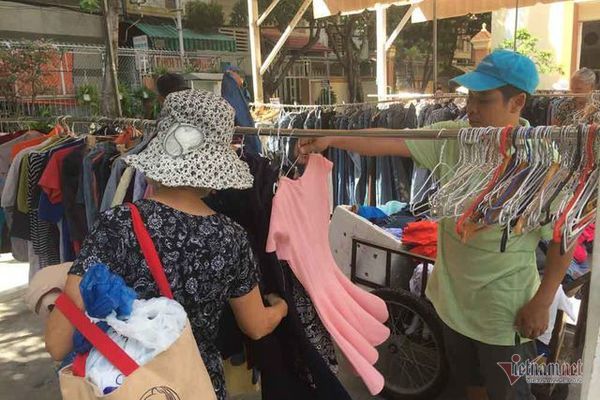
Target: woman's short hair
[(587, 76)]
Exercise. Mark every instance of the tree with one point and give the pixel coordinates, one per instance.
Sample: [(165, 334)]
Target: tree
[(204, 17), (108, 104), (239, 14), (527, 44), (23, 70), (279, 19), (415, 43), (347, 37)]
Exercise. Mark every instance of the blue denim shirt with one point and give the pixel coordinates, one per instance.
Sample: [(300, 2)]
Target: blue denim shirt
[(238, 99)]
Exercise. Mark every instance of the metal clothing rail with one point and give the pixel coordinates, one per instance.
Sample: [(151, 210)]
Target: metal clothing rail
[(394, 98), (462, 95), (418, 134), (426, 134)]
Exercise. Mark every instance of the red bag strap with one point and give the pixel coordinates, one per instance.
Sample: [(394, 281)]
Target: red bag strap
[(100, 340), (150, 253)]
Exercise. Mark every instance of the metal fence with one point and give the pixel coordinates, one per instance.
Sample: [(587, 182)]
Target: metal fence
[(70, 80)]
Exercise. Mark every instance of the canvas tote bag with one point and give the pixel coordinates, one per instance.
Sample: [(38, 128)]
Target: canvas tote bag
[(178, 373)]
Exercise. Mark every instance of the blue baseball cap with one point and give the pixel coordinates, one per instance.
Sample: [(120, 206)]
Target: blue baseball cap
[(233, 68), (501, 68)]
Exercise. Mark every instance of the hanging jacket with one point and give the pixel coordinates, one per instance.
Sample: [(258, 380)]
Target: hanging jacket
[(237, 98)]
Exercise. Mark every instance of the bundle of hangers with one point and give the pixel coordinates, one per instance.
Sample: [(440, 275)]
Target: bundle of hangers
[(521, 179)]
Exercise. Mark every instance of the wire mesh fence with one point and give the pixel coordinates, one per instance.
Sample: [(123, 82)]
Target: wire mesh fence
[(42, 79)]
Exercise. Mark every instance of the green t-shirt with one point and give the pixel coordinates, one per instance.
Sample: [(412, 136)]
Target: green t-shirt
[(475, 288)]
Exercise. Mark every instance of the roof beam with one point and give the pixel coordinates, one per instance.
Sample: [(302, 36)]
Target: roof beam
[(264, 16), (284, 36), (255, 51), (400, 26)]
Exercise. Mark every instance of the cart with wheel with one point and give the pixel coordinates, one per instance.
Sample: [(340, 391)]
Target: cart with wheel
[(412, 360)]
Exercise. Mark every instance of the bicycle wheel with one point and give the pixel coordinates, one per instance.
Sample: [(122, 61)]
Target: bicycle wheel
[(412, 360)]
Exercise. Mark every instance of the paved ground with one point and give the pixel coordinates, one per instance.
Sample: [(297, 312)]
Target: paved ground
[(28, 373)]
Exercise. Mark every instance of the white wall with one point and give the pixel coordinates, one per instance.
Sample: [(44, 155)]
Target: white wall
[(340, 87), (20, 21), (552, 24)]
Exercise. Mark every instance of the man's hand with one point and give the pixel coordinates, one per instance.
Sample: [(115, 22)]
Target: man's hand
[(532, 319), (307, 146)]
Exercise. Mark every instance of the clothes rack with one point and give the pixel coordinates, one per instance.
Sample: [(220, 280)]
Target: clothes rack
[(394, 98), (425, 134)]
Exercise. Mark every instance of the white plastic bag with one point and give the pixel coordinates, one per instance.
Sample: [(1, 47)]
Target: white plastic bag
[(155, 323), (153, 326), (417, 278)]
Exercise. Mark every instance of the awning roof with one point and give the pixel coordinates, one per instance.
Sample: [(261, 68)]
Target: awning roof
[(165, 36), (452, 8), (445, 8), (326, 8)]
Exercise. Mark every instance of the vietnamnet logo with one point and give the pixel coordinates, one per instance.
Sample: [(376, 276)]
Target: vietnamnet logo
[(536, 371)]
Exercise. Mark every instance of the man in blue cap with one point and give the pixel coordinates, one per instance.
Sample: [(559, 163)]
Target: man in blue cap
[(491, 303)]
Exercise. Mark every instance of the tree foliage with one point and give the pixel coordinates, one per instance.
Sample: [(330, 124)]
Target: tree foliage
[(415, 42), (89, 6), (239, 14), (204, 17), (280, 17), (349, 37), (24, 69), (528, 45)]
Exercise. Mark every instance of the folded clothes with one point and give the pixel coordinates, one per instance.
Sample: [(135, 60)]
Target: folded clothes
[(421, 233), (392, 207), (371, 213), (422, 236), (399, 220), (397, 232)]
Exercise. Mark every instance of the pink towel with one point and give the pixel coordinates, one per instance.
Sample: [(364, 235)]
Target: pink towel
[(299, 234)]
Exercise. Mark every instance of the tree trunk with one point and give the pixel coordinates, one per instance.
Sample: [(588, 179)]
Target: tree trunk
[(279, 69), (427, 72), (109, 103)]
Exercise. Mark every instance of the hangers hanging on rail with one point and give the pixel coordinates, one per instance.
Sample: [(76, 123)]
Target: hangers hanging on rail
[(521, 179)]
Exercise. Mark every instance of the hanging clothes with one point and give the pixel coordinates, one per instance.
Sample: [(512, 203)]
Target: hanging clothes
[(52, 186), (297, 361), (238, 98), (298, 233)]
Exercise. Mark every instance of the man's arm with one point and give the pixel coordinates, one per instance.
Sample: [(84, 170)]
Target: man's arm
[(365, 146), (532, 319)]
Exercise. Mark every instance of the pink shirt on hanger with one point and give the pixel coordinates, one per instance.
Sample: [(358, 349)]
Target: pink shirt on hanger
[(299, 234)]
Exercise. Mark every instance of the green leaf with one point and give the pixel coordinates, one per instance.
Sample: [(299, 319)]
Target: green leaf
[(527, 44), (89, 6)]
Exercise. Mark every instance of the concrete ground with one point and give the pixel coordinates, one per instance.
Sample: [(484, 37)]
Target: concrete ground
[(27, 372)]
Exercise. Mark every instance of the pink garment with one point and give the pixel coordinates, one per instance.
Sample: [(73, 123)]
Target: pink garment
[(299, 234)]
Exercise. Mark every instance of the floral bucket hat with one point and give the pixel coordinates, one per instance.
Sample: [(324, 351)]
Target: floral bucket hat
[(192, 146)]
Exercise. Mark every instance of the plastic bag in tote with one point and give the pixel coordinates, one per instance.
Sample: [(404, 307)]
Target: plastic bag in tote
[(178, 373)]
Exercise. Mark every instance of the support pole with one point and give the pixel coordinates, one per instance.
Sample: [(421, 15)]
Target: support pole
[(255, 51), (381, 17), (268, 11), (591, 352), (516, 24), (435, 46), (401, 25), (110, 53), (180, 33), (284, 36)]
